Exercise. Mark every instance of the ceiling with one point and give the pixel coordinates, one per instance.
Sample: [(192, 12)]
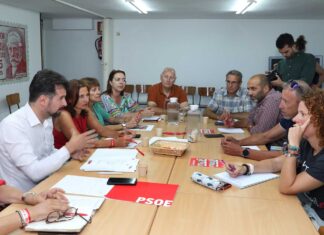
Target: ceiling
[(176, 9)]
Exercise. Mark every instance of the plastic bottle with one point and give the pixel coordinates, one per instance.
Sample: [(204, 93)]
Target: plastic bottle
[(193, 123), (173, 110)]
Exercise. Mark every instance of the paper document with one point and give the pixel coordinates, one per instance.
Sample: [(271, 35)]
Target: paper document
[(231, 130), (133, 144), (81, 185), (151, 119), (245, 181), (254, 147), (143, 128), (93, 203), (121, 160), (86, 207)]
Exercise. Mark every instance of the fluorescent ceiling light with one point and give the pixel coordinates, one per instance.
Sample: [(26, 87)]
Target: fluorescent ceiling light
[(245, 7), (79, 8), (138, 6)]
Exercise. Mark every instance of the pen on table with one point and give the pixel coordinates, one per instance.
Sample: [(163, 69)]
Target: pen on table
[(140, 152), (81, 214), (173, 133)]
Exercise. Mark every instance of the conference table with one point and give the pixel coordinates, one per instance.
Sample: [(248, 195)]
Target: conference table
[(256, 210)]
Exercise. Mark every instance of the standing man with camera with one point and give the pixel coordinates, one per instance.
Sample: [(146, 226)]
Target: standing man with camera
[(297, 65)]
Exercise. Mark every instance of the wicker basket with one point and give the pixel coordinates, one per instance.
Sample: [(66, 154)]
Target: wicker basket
[(165, 147)]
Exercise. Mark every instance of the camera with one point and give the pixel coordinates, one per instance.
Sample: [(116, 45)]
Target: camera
[(273, 75)]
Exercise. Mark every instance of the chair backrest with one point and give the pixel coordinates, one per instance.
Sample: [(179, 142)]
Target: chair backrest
[(205, 92), (129, 88), (321, 230), (142, 93), (191, 92), (13, 99)]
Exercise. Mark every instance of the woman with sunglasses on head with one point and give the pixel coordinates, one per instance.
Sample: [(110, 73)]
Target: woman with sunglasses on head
[(302, 168), (98, 110), (119, 104), (75, 118), (41, 205)]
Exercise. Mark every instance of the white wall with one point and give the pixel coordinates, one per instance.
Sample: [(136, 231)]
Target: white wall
[(71, 52), (31, 19), (203, 51)]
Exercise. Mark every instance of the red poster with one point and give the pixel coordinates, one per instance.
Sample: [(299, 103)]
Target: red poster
[(204, 162), (207, 131), (145, 193), (13, 52)]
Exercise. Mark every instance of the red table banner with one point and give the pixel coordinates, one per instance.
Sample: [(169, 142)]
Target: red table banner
[(204, 162), (145, 193)]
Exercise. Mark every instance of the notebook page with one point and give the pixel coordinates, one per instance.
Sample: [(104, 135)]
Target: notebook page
[(81, 185), (245, 181)]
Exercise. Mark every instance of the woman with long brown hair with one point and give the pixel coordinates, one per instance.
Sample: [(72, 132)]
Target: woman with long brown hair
[(75, 118)]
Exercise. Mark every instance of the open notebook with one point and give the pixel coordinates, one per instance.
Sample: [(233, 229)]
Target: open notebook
[(245, 181), (86, 206)]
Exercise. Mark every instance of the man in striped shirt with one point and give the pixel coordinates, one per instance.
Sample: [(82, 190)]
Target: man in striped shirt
[(234, 99), (266, 114)]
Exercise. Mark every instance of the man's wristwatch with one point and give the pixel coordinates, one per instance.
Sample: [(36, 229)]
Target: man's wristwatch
[(124, 125), (245, 152)]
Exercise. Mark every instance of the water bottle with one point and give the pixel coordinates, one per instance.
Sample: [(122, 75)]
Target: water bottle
[(193, 123), (173, 110)]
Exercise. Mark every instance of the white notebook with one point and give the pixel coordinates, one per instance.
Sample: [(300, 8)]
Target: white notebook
[(86, 206), (245, 181)]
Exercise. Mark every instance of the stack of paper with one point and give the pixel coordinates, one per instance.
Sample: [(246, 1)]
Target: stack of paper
[(121, 160), (82, 185)]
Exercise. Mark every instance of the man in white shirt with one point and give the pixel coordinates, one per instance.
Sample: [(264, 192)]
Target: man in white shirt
[(27, 153)]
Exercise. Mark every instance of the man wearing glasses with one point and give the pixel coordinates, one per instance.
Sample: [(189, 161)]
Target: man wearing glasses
[(291, 95), (297, 65), (233, 100), (160, 93)]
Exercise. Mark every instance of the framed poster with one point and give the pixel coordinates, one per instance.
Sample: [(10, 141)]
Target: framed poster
[(13, 53)]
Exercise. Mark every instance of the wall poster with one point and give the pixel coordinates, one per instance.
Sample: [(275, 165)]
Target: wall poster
[(13, 53)]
